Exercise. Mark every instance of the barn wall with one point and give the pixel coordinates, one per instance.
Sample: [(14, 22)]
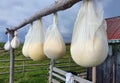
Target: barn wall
[(109, 71)]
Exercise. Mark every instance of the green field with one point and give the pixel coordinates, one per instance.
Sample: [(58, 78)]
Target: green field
[(40, 73)]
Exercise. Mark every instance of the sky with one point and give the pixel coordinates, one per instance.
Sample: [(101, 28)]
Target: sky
[(13, 12)]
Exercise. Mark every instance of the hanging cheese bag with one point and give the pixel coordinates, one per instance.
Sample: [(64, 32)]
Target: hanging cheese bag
[(54, 46), (35, 49), (27, 41), (7, 44), (89, 46), (15, 43)]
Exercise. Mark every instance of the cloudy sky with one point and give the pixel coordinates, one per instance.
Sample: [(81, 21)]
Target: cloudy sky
[(13, 12)]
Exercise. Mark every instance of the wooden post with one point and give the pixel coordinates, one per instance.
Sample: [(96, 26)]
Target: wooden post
[(104, 71), (59, 5), (94, 74), (51, 70), (11, 79)]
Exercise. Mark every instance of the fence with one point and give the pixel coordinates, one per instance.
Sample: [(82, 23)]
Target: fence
[(60, 74), (26, 68)]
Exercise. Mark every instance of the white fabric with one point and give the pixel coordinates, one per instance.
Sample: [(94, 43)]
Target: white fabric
[(27, 42), (54, 46), (89, 46), (7, 44), (69, 78), (36, 41), (15, 43)]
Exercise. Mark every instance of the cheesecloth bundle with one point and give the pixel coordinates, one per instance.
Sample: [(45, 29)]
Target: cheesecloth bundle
[(27, 42), (7, 44), (35, 39), (89, 46), (54, 46), (15, 43)]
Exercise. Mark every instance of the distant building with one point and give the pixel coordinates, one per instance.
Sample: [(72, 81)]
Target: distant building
[(113, 29), (109, 71)]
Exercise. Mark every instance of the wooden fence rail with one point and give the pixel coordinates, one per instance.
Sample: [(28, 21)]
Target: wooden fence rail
[(62, 75), (25, 65)]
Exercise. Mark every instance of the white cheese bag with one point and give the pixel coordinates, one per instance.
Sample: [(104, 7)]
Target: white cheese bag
[(35, 49), (7, 44), (54, 46), (27, 42), (89, 46), (15, 43)]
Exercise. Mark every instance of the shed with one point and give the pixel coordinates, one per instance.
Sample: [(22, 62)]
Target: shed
[(109, 71)]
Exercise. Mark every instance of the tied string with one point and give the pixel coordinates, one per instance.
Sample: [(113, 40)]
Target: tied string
[(55, 19)]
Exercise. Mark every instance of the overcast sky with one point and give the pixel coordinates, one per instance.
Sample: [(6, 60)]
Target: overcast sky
[(13, 12)]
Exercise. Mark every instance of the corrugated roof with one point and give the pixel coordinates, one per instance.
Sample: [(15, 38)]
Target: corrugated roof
[(113, 28)]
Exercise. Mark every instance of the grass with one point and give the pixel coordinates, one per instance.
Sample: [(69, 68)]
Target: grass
[(40, 75)]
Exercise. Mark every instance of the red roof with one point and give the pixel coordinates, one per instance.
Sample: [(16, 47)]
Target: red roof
[(113, 28)]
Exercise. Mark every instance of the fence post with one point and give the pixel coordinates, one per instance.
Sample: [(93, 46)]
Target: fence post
[(51, 70), (94, 74), (11, 79)]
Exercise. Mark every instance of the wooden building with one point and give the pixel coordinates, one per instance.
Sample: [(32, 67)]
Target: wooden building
[(109, 71)]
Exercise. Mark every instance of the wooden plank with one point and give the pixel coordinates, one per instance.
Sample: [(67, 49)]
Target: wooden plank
[(59, 71), (58, 76), (76, 78), (51, 71), (108, 70), (117, 63), (99, 74), (55, 81)]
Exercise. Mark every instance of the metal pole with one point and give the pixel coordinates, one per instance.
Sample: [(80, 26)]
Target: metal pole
[(51, 70), (11, 79)]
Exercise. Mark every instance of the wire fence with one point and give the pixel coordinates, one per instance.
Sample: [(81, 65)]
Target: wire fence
[(27, 70), (24, 66)]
